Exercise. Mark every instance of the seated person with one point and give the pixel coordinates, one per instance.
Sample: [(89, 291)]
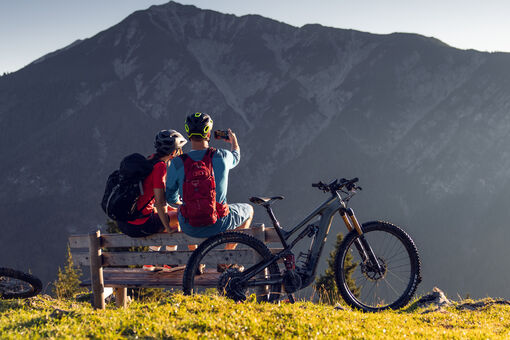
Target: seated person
[(159, 217), (179, 183)]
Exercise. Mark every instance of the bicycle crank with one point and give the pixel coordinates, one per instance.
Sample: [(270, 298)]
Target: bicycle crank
[(231, 284)]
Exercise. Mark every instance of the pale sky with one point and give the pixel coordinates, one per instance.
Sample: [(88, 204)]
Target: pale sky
[(30, 29)]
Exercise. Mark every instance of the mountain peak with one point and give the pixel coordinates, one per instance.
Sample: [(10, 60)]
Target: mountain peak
[(175, 7)]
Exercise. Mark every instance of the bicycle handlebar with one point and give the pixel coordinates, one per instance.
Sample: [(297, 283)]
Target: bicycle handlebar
[(336, 185)]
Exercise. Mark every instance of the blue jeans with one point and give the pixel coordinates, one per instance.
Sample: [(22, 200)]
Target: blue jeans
[(239, 213)]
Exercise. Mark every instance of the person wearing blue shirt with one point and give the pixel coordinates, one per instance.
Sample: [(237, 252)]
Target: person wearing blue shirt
[(198, 128)]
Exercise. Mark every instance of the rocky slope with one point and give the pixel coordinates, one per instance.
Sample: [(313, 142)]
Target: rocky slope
[(425, 126)]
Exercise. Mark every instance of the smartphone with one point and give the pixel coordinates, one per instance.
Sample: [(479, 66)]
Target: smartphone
[(220, 134)]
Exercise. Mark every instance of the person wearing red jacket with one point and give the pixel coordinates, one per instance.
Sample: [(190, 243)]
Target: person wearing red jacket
[(158, 215)]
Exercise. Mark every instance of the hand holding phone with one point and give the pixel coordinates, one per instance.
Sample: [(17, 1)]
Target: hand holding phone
[(221, 134)]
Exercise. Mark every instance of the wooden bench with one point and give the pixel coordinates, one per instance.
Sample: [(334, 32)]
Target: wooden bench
[(108, 259)]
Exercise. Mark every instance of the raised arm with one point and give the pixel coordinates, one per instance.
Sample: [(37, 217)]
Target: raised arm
[(232, 139)]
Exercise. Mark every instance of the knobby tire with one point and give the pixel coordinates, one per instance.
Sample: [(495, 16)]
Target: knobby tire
[(409, 261), (15, 284)]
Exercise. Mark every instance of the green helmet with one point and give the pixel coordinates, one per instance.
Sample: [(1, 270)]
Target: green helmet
[(198, 124)]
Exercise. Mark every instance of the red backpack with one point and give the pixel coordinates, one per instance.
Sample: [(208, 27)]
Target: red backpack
[(199, 192)]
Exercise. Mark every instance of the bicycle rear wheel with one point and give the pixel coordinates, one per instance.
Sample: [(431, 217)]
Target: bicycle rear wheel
[(364, 287), (17, 285), (227, 280)]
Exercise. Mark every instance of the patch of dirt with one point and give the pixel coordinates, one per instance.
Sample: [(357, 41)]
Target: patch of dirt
[(437, 299), (481, 304)]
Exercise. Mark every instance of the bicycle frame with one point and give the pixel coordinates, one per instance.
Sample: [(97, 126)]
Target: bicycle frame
[(326, 210)]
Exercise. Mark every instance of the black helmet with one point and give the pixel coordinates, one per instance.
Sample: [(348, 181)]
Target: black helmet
[(198, 124), (167, 141)]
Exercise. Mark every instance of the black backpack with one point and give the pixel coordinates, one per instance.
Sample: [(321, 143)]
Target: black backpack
[(125, 186)]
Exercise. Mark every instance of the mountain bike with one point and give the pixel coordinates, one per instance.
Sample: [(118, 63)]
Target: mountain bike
[(15, 284), (377, 265)]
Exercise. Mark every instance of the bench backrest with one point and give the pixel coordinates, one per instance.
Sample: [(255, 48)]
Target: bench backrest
[(116, 250)]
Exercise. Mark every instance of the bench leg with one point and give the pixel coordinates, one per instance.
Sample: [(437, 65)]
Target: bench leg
[(121, 297), (96, 270)]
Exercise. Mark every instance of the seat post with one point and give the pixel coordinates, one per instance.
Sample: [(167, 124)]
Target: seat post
[(276, 224)]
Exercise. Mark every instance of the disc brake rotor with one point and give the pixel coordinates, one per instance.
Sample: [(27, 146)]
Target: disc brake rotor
[(370, 271)]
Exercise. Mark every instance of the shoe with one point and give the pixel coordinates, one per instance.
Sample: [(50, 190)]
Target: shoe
[(200, 269), (151, 268), (164, 268), (221, 267)]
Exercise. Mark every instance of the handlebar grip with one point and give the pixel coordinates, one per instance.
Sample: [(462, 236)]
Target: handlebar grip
[(350, 183), (316, 185)]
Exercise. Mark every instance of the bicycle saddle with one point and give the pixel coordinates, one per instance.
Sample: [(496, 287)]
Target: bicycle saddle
[(265, 200)]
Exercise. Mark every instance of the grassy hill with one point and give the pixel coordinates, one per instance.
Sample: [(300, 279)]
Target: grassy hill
[(178, 316)]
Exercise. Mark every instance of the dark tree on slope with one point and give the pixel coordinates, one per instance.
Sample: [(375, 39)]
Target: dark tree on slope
[(325, 284)]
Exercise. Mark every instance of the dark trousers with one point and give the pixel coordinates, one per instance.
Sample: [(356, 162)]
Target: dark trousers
[(152, 226)]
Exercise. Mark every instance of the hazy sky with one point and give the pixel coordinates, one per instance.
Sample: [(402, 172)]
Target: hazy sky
[(32, 28)]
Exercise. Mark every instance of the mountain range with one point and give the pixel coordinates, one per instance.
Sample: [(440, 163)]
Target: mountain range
[(425, 126)]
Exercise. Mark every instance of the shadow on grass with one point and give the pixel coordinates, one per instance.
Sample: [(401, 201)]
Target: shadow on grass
[(32, 323), (8, 305)]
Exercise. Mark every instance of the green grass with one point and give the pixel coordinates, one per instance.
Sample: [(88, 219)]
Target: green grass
[(177, 316)]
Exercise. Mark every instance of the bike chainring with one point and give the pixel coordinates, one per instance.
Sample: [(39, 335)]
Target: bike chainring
[(370, 271), (230, 285)]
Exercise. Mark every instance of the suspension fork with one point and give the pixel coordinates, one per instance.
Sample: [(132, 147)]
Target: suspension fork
[(364, 249)]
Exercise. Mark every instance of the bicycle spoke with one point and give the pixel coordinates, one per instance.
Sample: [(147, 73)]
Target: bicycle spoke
[(397, 254), (394, 290), (397, 277)]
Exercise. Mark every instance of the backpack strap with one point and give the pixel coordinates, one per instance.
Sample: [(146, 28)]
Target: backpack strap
[(222, 209), (154, 161), (211, 151), (186, 160), (184, 157), (208, 158)]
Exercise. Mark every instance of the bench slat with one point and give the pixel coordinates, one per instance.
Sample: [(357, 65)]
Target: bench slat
[(79, 241), (81, 259), (135, 277), (162, 239), (271, 236), (214, 257)]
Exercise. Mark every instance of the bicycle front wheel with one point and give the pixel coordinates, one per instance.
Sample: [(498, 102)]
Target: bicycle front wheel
[(18, 285), (224, 269), (365, 287)]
